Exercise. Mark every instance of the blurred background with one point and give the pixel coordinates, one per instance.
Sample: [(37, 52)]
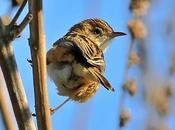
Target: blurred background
[(140, 65)]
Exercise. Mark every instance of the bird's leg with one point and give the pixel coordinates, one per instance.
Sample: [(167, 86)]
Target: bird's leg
[(52, 111)]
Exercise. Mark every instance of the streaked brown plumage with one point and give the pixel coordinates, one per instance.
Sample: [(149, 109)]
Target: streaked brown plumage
[(76, 63)]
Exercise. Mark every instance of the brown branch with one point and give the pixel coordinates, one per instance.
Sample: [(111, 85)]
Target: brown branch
[(13, 22), (15, 32), (23, 24), (9, 122), (7, 119), (14, 82), (8, 33), (37, 46)]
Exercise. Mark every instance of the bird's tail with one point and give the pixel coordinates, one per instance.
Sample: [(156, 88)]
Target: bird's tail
[(101, 78)]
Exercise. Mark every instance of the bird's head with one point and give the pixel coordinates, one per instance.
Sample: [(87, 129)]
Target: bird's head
[(98, 30)]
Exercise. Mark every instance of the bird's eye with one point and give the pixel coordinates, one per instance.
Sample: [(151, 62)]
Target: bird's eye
[(97, 31)]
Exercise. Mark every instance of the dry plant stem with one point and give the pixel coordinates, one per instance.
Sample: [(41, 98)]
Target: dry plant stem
[(23, 24), (14, 82), (5, 110), (131, 46), (5, 113), (123, 94), (129, 52), (37, 47), (14, 20), (58, 107)]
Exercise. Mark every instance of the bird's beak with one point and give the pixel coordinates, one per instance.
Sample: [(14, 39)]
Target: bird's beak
[(116, 34)]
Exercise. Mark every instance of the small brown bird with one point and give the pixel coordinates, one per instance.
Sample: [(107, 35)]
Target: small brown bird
[(76, 62)]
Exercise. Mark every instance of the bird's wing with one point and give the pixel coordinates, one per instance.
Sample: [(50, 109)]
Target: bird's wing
[(90, 53)]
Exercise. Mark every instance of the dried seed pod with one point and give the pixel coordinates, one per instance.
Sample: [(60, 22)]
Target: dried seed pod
[(139, 7), (131, 87), (125, 116), (137, 29), (168, 91)]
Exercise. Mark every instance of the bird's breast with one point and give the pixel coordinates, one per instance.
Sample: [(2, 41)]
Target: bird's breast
[(59, 73)]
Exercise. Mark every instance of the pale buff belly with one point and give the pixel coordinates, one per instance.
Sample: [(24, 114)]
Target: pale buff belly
[(73, 80)]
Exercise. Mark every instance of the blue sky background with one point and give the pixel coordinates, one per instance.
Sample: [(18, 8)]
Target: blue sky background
[(101, 112)]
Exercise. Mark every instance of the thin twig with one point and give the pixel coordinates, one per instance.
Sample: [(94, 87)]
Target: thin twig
[(25, 22), (131, 46), (18, 29), (9, 34), (37, 47), (13, 22)]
